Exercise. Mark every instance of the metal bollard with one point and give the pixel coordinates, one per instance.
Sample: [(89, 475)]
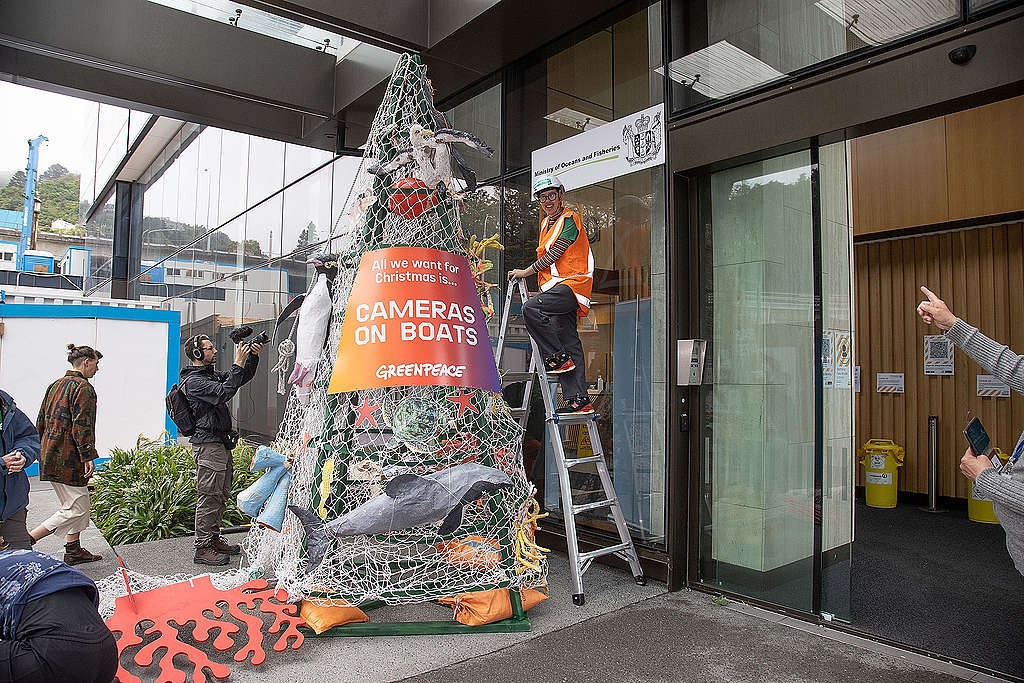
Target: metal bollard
[(933, 464)]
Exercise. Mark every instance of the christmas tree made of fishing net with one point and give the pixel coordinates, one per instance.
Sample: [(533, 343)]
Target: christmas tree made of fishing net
[(404, 395)]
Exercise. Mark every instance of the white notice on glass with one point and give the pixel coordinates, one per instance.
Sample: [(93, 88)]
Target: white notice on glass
[(842, 345), (889, 382), (828, 370), (938, 355), (991, 387)]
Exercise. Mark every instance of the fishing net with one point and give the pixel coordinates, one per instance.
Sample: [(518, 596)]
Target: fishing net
[(349, 445)]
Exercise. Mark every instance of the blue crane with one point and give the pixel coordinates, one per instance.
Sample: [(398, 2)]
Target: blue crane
[(31, 171)]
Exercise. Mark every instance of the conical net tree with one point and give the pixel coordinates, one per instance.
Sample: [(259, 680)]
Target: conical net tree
[(403, 421)]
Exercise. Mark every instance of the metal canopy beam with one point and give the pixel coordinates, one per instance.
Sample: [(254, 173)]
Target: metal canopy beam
[(169, 62), (150, 57)]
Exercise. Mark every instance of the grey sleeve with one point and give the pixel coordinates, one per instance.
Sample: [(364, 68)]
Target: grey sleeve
[(996, 358), (1003, 490)]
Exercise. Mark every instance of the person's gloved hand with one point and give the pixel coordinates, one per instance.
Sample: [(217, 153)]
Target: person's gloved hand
[(972, 465)]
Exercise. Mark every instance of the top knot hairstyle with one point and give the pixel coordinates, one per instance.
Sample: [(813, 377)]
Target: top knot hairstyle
[(78, 353)]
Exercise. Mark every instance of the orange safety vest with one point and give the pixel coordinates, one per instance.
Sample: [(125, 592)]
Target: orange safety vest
[(575, 268)]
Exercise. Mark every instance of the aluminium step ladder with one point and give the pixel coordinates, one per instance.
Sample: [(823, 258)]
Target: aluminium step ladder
[(579, 562)]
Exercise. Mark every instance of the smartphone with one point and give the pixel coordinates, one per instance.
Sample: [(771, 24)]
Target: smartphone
[(977, 438)]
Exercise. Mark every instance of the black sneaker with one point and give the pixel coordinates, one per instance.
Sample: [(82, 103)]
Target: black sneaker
[(577, 405), (559, 363), (209, 555)]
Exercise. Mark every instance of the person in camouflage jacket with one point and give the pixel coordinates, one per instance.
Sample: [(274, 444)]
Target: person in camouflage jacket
[(67, 434)]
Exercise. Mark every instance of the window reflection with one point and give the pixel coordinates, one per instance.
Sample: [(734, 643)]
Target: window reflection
[(481, 116), (594, 81), (99, 239), (721, 49)]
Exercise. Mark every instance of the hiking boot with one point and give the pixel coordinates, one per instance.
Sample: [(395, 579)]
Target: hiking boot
[(559, 363), (222, 546), (577, 405), (210, 555), (74, 554)]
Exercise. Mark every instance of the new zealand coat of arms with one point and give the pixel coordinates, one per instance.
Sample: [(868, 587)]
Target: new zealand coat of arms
[(643, 143)]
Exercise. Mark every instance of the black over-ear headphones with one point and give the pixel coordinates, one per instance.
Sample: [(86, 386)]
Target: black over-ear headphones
[(195, 346)]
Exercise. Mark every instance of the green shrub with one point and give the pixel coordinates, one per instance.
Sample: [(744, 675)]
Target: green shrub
[(149, 492)]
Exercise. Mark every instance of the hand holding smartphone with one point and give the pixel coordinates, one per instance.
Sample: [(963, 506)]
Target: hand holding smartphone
[(980, 443)]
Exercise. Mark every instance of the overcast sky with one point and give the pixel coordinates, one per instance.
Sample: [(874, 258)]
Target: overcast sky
[(26, 113)]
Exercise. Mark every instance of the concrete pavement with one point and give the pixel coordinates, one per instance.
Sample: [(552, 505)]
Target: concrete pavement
[(624, 632)]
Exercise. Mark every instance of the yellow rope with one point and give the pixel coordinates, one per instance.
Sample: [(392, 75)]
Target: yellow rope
[(529, 555)]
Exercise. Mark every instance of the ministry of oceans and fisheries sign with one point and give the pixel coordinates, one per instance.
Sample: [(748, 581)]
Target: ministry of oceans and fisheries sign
[(632, 143)]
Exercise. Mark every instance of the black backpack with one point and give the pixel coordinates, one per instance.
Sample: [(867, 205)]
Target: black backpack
[(180, 411)]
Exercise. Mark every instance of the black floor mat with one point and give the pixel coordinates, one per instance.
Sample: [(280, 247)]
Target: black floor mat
[(939, 582)]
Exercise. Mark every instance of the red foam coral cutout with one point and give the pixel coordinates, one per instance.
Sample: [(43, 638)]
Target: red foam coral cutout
[(171, 607)]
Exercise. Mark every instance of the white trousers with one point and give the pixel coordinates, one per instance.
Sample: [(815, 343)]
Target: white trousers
[(73, 516)]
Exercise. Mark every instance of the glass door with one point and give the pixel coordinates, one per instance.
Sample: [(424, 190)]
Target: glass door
[(764, 429), (838, 470)]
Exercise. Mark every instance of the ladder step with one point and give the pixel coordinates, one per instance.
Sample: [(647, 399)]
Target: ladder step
[(572, 419), (572, 462), (513, 377), (601, 552), (576, 509), (517, 412)]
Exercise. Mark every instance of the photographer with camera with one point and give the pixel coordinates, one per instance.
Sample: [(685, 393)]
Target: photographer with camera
[(208, 393)]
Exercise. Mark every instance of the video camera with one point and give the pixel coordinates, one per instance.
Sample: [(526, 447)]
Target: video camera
[(240, 333)]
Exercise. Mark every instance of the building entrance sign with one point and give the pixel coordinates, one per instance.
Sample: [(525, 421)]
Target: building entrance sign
[(629, 144), (413, 319)]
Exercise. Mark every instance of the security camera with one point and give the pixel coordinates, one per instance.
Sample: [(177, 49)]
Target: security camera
[(963, 54)]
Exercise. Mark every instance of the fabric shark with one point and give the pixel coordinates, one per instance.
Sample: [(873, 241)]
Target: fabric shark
[(408, 500)]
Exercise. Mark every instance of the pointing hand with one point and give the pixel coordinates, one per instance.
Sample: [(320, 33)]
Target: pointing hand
[(935, 311)]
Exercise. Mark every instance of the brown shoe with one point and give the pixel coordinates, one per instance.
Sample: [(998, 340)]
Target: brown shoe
[(222, 546), (210, 555), (74, 554)]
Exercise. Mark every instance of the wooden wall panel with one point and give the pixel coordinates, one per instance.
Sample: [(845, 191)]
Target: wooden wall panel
[(985, 160), (899, 178), (979, 273)]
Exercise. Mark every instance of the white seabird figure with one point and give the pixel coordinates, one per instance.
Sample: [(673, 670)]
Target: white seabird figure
[(314, 317), (430, 152)]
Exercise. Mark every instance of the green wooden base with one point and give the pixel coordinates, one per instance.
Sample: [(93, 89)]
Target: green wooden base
[(418, 628)]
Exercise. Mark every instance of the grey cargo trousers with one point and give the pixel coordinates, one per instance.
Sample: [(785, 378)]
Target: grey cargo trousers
[(215, 470)]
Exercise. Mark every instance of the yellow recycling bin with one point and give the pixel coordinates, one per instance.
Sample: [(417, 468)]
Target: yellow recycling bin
[(880, 458), (979, 510)]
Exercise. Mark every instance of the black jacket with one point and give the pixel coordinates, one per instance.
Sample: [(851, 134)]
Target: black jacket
[(208, 393)]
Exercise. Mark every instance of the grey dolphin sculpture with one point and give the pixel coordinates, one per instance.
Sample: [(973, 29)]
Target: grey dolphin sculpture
[(408, 500)]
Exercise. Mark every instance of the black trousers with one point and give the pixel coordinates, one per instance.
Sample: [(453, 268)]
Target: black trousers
[(15, 533), (551, 320), (60, 637)]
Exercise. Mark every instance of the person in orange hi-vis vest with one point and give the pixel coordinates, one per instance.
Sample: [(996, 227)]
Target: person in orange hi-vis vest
[(565, 273)]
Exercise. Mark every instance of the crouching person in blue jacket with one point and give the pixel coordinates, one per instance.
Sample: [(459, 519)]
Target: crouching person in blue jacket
[(19, 448), (50, 630)]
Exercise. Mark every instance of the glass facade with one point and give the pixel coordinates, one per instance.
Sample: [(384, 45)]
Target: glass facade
[(108, 133), (761, 435), (593, 81), (228, 223), (721, 49)]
